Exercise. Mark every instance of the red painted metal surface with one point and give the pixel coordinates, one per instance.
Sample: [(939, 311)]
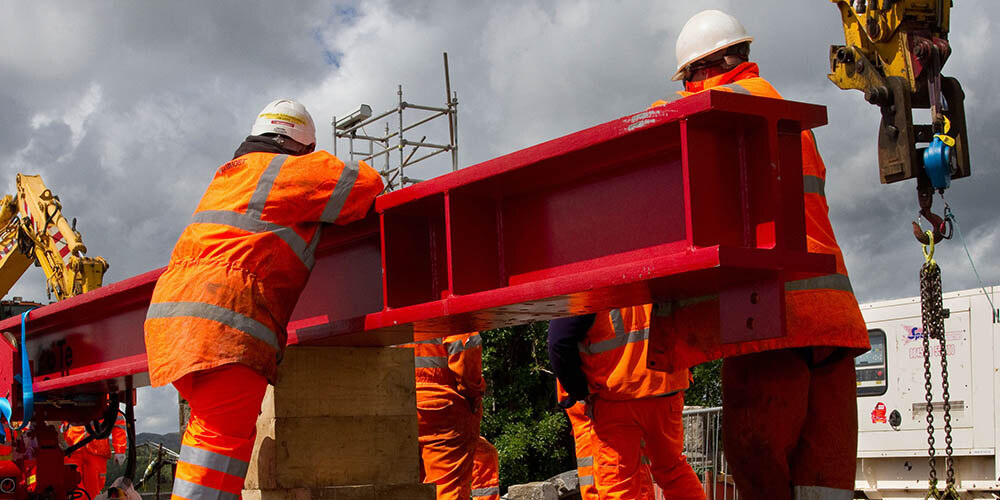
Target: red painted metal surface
[(701, 196)]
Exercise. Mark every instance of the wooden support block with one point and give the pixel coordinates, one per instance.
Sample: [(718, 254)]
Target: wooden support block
[(337, 416), (344, 381)]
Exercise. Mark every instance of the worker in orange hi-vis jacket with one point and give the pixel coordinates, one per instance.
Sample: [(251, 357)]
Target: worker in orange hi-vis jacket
[(216, 326), (789, 418), (450, 387), (485, 471), (601, 359), (584, 446), (92, 459)]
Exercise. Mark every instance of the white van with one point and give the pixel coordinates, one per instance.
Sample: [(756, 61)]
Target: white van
[(892, 439)]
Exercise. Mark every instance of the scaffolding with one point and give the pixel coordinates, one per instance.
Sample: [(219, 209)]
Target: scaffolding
[(351, 127)]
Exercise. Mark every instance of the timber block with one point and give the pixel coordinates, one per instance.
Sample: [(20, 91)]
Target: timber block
[(337, 417), (416, 491), (344, 381)]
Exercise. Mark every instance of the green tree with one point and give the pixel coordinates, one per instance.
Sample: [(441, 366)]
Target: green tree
[(706, 388), (531, 434)]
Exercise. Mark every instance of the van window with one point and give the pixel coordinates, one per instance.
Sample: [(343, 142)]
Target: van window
[(871, 367)]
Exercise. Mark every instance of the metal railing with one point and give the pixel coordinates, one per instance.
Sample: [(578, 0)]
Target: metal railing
[(703, 447)]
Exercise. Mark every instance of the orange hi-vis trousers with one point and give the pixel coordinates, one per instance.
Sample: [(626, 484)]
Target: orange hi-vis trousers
[(216, 448), (93, 470), (790, 424), (448, 430), (620, 427), (583, 438), (485, 471)]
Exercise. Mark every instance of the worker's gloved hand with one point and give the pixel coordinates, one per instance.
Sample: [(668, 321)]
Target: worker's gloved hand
[(119, 458)]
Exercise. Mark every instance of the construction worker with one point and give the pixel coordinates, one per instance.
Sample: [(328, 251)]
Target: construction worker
[(789, 418), (450, 387), (601, 359), (584, 448), (216, 326), (91, 460), (485, 471)]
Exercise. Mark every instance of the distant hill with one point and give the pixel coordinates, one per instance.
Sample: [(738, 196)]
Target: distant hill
[(171, 440)]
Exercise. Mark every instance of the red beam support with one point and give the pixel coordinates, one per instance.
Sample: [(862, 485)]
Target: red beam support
[(698, 197)]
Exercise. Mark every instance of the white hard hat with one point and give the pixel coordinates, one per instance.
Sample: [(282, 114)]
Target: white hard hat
[(286, 117), (707, 32)]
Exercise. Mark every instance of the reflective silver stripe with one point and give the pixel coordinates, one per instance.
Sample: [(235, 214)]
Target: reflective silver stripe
[(430, 362), (340, 192), (122, 427), (215, 461), (587, 480), (212, 312), (739, 89), (585, 461), (813, 184), (617, 322), (192, 491), (821, 493), (614, 343), (256, 206), (474, 341), (309, 259), (455, 347), (827, 282), (644, 460), (485, 492), (250, 224)]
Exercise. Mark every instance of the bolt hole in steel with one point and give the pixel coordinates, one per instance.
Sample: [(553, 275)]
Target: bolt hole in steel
[(754, 298), (750, 323), (7, 485)]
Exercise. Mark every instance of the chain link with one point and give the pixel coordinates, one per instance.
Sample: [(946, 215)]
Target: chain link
[(933, 315)]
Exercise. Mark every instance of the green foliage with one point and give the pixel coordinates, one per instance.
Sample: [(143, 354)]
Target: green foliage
[(706, 389), (531, 434)]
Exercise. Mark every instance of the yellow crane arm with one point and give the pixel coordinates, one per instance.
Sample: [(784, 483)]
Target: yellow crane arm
[(13, 262), (894, 51), (55, 245)]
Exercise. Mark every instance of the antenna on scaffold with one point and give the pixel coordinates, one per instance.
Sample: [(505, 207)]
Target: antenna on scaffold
[(351, 127)]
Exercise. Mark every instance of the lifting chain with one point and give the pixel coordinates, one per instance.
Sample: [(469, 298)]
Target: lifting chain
[(933, 314)]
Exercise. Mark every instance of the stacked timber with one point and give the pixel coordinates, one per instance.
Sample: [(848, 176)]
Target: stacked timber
[(340, 424)]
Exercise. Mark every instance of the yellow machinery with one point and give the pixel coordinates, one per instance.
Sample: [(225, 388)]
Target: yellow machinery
[(894, 52), (33, 230)]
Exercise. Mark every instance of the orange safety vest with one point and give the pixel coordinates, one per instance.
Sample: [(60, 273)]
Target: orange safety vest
[(455, 361), (613, 357), (819, 311), (99, 447), (238, 268)]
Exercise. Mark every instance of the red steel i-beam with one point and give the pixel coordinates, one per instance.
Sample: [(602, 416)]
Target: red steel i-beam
[(702, 196)]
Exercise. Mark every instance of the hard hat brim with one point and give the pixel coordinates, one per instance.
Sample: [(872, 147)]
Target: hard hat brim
[(679, 75)]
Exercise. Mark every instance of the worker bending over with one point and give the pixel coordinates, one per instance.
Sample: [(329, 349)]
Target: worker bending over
[(601, 359), (790, 425), (91, 460), (216, 326), (450, 387), (583, 441)]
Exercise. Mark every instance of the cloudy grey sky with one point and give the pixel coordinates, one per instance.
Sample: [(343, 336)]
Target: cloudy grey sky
[(126, 108)]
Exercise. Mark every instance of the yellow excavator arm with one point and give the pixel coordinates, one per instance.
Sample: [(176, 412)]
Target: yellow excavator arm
[(894, 51), (34, 230)]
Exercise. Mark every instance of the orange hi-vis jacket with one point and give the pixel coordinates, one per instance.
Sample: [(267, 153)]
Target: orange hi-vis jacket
[(819, 311), (455, 361), (238, 268), (99, 447), (613, 357)]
